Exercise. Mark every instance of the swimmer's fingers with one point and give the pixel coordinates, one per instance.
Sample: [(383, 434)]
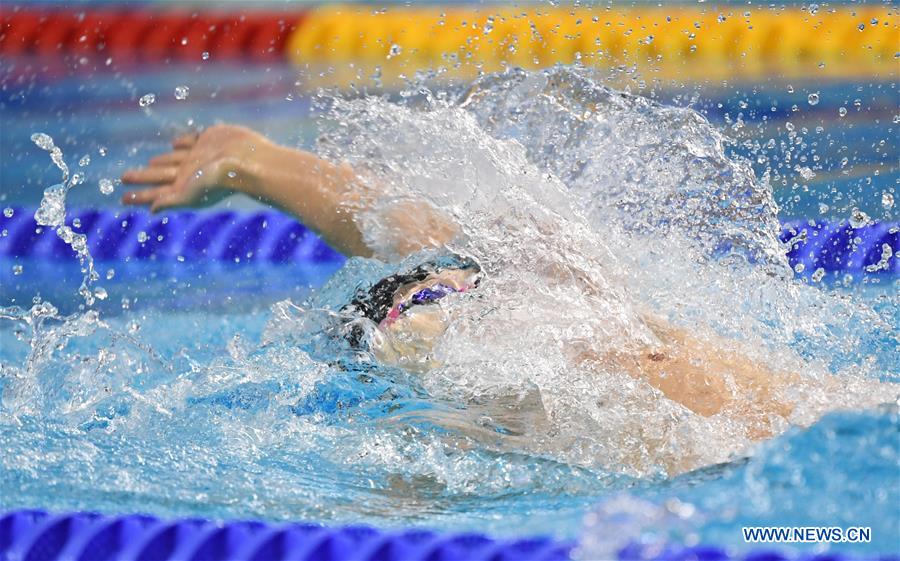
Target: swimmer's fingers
[(157, 198), (170, 159), (145, 196), (185, 141), (169, 198), (155, 175)]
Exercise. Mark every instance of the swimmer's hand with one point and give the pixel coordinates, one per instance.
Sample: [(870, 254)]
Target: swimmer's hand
[(327, 197), (201, 169)]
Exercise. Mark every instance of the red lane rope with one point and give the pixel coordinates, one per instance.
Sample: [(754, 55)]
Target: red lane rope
[(146, 35)]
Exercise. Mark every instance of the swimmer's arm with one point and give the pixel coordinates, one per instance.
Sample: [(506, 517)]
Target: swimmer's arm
[(710, 375), (328, 198), (707, 376)]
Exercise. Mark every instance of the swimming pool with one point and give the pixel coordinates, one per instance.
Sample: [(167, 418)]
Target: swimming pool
[(193, 392)]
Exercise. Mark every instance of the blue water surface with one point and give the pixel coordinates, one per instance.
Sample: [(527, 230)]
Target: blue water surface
[(207, 450)]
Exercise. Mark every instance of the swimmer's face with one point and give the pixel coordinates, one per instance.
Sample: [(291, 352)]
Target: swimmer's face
[(457, 278), (410, 338)]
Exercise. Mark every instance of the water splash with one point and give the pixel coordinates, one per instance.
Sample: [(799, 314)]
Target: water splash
[(45, 142), (48, 330), (52, 213), (597, 215)]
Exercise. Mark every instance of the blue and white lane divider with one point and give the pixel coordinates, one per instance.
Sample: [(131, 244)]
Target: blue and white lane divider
[(271, 237), (35, 535), (839, 247), (129, 235)]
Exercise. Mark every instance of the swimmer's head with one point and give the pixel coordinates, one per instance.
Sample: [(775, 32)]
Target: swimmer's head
[(393, 302)]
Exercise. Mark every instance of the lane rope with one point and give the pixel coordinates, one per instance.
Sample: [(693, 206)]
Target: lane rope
[(679, 42), (147, 34), (675, 42), (36, 534), (272, 237)]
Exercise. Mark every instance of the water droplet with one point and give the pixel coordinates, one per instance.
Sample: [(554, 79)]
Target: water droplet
[(232, 174), (823, 208), (184, 41), (807, 173), (85, 160), (102, 150), (394, 50), (887, 200), (489, 25), (205, 55), (842, 111), (8, 212), (813, 9), (44, 141), (106, 186), (110, 274), (790, 89), (147, 100), (813, 98), (859, 219), (100, 293), (17, 270), (818, 275), (142, 236), (182, 92), (861, 26), (799, 267)]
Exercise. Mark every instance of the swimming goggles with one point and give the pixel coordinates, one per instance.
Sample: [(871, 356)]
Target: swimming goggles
[(428, 295)]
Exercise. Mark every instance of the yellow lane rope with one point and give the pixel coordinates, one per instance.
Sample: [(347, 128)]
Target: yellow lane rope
[(680, 42)]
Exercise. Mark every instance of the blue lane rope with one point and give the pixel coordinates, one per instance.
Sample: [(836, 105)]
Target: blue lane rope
[(126, 235), (272, 237), (35, 535), (839, 247)]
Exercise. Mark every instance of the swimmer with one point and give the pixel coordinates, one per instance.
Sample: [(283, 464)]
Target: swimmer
[(706, 375)]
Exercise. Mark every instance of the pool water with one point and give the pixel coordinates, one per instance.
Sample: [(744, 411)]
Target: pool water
[(190, 391), (181, 413)]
